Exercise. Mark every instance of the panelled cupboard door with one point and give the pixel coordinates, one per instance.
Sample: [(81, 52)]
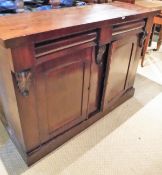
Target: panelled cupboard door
[(62, 87), (122, 54)]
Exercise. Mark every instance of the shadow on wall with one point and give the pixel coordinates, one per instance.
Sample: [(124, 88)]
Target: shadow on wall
[(72, 150)]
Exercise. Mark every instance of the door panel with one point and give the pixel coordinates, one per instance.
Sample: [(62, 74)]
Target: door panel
[(121, 55), (62, 87), (66, 102)]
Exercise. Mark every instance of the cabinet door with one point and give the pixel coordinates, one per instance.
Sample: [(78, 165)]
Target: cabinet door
[(62, 87), (122, 54)]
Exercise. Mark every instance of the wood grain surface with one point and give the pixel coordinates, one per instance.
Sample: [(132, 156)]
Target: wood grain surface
[(21, 25)]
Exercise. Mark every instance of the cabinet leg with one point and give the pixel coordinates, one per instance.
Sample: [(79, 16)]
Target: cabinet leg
[(142, 61), (160, 38), (152, 34), (148, 29)]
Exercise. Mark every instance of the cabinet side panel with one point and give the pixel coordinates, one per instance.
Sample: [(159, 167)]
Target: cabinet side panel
[(8, 98), (23, 59)]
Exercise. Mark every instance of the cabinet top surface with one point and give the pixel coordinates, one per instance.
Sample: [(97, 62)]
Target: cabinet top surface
[(21, 25)]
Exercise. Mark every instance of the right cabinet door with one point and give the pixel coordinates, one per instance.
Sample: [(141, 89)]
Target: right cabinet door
[(124, 54)]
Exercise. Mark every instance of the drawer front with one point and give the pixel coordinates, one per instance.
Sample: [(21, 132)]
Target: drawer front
[(64, 44), (121, 30)]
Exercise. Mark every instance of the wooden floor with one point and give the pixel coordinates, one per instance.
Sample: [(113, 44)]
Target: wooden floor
[(128, 141)]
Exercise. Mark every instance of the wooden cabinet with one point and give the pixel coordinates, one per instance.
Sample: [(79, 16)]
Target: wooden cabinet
[(59, 76), (69, 82)]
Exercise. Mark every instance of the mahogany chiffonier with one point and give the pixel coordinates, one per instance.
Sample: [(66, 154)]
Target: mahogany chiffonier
[(62, 70)]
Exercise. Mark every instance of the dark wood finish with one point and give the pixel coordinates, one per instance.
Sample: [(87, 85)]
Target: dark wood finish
[(62, 70)]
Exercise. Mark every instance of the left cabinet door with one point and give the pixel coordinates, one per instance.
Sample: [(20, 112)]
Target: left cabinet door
[(62, 88)]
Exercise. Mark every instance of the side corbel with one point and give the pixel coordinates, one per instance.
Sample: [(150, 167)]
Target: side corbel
[(143, 36), (100, 53), (23, 80)]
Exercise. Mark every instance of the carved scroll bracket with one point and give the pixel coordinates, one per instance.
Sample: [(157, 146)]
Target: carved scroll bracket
[(142, 38), (100, 52), (23, 79)]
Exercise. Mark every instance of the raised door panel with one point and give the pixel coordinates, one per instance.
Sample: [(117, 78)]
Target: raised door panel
[(62, 92), (121, 53), (66, 102)]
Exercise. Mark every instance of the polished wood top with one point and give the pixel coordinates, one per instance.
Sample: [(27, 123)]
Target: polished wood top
[(21, 25)]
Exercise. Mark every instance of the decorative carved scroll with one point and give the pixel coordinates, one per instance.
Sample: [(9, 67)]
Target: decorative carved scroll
[(100, 52), (142, 38), (23, 79)]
